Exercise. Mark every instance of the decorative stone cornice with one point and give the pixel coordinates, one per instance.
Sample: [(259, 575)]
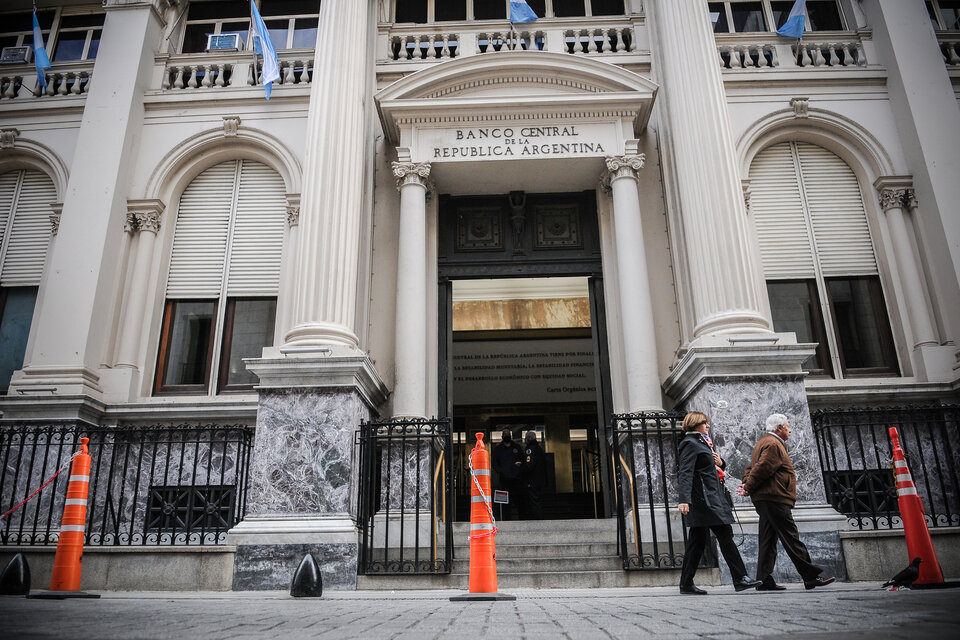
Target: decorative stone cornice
[(8, 137), (143, 215), (293, 209), (408, 173), (801, 107), (894, 191), (626, 166), (230, 125), (57, 208)]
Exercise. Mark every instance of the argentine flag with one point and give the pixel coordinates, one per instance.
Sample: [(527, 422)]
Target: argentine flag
[(521, 12), (796, 21), (39, 53), (271, 67)]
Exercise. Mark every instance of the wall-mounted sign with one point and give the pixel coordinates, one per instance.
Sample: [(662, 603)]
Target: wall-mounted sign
[(517, 141), (523, 371)]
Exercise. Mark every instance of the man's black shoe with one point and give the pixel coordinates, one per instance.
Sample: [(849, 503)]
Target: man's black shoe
[(692, 590), (745, 583), (771, 586), (818, 582)]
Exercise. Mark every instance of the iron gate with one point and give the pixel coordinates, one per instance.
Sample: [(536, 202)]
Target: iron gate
[(643, 446), (404, 505)]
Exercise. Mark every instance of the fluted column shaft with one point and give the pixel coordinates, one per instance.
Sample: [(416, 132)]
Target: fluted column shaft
[(636, 301), (410, 379), (726, 286), (893, 201), (327, 262), (143, 219)]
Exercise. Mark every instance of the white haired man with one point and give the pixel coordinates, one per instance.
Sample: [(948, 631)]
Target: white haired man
[(771, 483)]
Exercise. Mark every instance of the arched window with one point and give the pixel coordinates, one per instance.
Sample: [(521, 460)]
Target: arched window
[(221, 298), (25, 199), (818, 259)]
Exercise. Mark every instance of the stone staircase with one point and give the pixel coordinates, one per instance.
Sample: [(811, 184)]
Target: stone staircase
[(544, 554)]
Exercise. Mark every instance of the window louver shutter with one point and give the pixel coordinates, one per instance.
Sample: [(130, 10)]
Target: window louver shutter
[(26, 246), (8, 189), (826, 201), (777, 208), (839, 221), (200, 239), (258, 228)]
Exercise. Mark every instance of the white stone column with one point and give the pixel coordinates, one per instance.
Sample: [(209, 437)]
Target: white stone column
[(724, 275), (893, 199), (143, 221), (326, 279), (410, 379), (290, 251), (69, 335), (636, 302)]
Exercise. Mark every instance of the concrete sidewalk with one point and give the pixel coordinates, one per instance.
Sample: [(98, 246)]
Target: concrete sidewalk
[(857, 610)]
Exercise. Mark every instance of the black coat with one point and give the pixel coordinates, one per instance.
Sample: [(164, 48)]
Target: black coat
[(505, 459), (534, 471), (700, 486)]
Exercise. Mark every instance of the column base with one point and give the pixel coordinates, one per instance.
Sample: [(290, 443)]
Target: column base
[(819, 525), (269, 549), (56, 380), (936, 363)]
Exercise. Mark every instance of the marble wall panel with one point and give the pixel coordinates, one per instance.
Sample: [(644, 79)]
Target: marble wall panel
[(738, 410), (406, 475), (304, 456), (271, 566), (825, 550)]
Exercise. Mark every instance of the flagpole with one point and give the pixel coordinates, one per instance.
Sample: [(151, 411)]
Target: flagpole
[(512, 36)]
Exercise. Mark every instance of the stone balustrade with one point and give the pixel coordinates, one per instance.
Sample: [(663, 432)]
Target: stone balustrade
[(748, 51), (21, 82), (950, 47), (206, 71), (415, 43)]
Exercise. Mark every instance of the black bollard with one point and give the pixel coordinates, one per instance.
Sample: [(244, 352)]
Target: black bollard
[(307, 582), (15, 579)]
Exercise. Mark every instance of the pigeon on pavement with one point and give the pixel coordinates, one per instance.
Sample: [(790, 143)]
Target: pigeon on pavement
[(906, 577)]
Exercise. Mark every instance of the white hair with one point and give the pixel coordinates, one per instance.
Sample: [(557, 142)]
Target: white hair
[(775, 420)]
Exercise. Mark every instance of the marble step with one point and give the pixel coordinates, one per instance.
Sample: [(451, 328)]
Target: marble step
[(542, 580), (546, 565), (564, 550)]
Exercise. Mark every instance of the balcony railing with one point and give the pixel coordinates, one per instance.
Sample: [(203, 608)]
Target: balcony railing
[(950, 48), (236, 69), (420, 42), (763, 51), (63, 79)]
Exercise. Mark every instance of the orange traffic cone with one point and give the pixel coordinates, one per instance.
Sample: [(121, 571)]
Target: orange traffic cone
[(919, 543), (483, 531), (65, 580)]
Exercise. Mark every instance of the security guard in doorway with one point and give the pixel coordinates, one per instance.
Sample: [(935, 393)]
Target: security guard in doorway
[(533, 476), (507, 463)]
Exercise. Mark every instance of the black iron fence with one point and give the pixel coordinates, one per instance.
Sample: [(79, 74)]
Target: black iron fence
[(152, 485), (405, 501), (856, 453), (644, 448)]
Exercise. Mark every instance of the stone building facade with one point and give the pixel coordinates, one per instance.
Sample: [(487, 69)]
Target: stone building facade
[(758, 225)]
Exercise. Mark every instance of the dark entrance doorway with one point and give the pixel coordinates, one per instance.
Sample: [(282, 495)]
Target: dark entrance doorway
[(523, 338)]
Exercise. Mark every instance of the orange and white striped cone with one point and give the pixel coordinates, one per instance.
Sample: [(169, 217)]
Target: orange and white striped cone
[(483, 531), (65, 579), (919, 542)]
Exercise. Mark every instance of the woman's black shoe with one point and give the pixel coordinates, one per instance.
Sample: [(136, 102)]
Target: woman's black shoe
[(745, 583), (692, 590)]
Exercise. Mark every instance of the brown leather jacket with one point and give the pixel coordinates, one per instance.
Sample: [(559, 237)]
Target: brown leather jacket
[(770, 475)]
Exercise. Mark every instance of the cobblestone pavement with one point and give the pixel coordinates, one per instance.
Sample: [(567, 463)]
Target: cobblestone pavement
[(846, 611)]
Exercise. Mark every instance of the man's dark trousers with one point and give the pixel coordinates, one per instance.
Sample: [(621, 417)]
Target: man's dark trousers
[(776, 523), (697, 541)]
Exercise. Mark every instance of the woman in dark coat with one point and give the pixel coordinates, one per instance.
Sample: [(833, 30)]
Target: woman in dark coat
[(705, 505)]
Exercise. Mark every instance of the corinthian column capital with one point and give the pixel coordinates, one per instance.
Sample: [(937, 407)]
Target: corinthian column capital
[(892, 198), (143, 215), (408, 173), (626, 166)]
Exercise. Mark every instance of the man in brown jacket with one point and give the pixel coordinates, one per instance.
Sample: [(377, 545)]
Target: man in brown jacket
[(772, 485)]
